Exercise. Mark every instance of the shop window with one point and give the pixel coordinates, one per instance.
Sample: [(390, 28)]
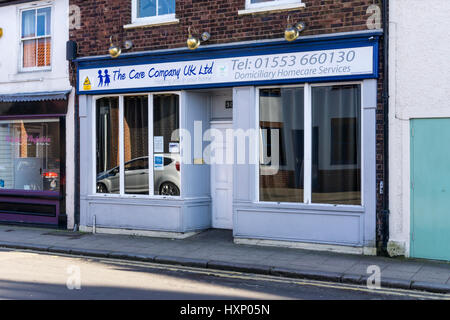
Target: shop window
[(123, 135), (36, 38), (107, 145), (281, 117), (333, 156), (30, 155), (336, 144), (166, 146), (344, 147), (135, 136)]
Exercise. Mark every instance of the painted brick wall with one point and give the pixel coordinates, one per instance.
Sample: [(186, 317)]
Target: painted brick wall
[(102, 18)]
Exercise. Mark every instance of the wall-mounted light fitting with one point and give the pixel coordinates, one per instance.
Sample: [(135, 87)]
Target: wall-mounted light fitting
[(114, 51), (128, 44), (293, 32), (206, 36), (193, 42)]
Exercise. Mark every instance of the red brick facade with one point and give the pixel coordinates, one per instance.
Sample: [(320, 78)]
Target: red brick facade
[(101, 19)]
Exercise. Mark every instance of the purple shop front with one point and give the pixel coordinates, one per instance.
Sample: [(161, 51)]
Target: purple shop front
[(32, 158)]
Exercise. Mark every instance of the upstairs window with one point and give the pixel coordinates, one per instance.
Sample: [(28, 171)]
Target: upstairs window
[(151, 8), (147, 12), (36, 38), (265, 3), (252, 6)]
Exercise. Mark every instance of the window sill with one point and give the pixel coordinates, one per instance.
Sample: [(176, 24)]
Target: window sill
[(270, 9), (310, 206), (35, 70), (151, 23)]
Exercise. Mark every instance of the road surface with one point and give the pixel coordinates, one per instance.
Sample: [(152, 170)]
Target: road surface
[(34, 275)]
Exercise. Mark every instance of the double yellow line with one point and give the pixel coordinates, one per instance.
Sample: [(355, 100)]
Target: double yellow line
[(301, 282)]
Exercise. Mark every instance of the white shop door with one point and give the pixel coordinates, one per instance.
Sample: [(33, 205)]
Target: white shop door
[(222, 183)]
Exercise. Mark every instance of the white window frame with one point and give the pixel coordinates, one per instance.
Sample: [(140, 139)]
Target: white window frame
[(307, 180), (137, 21), (22, 40), (275, 5), (122, 193)]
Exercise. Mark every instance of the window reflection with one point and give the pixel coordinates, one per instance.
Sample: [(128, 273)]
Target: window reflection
[(166, 145), (136, 145), (281, 144), (108, 171), (30, 155), (336, 145)]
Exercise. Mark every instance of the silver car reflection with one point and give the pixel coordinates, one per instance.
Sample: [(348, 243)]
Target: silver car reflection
[(166, 177)]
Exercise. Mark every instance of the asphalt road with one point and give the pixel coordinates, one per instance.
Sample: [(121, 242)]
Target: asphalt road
[(33, 275)]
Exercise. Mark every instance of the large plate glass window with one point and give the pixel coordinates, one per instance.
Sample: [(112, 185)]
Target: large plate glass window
[(281, 120), (135, 137), (36, 38), (30, 155), (336, 144), (107, 145), (132, 136), (166, 145)]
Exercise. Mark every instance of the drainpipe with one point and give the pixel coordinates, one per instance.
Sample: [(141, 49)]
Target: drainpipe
[(385, 212), (77, 154), (74, 69)]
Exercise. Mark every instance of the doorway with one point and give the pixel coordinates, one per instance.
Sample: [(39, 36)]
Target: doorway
[(221, 169), (430, 189), (221, 181)]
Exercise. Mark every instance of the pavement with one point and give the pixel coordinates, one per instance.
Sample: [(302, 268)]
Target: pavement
[(215, 249)]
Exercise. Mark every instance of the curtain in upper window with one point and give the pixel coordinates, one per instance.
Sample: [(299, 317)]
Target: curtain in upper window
[(36, 38)]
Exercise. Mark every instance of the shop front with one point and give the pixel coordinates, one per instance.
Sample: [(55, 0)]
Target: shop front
[(273, 140), (32, 158)]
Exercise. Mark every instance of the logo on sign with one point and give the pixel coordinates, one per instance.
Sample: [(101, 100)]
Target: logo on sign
[(87, 84), (104, 79)]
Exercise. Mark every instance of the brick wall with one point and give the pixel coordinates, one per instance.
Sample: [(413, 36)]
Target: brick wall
[(102, 18)]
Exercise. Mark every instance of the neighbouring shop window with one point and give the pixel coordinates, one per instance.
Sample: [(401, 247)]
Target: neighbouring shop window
[(153, 8), (135, 135), (166, 145), (281, 116), (336, 145), (36, 38), (30, 155), (107, 145)]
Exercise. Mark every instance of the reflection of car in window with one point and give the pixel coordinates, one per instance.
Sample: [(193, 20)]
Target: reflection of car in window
[(166, 181)]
